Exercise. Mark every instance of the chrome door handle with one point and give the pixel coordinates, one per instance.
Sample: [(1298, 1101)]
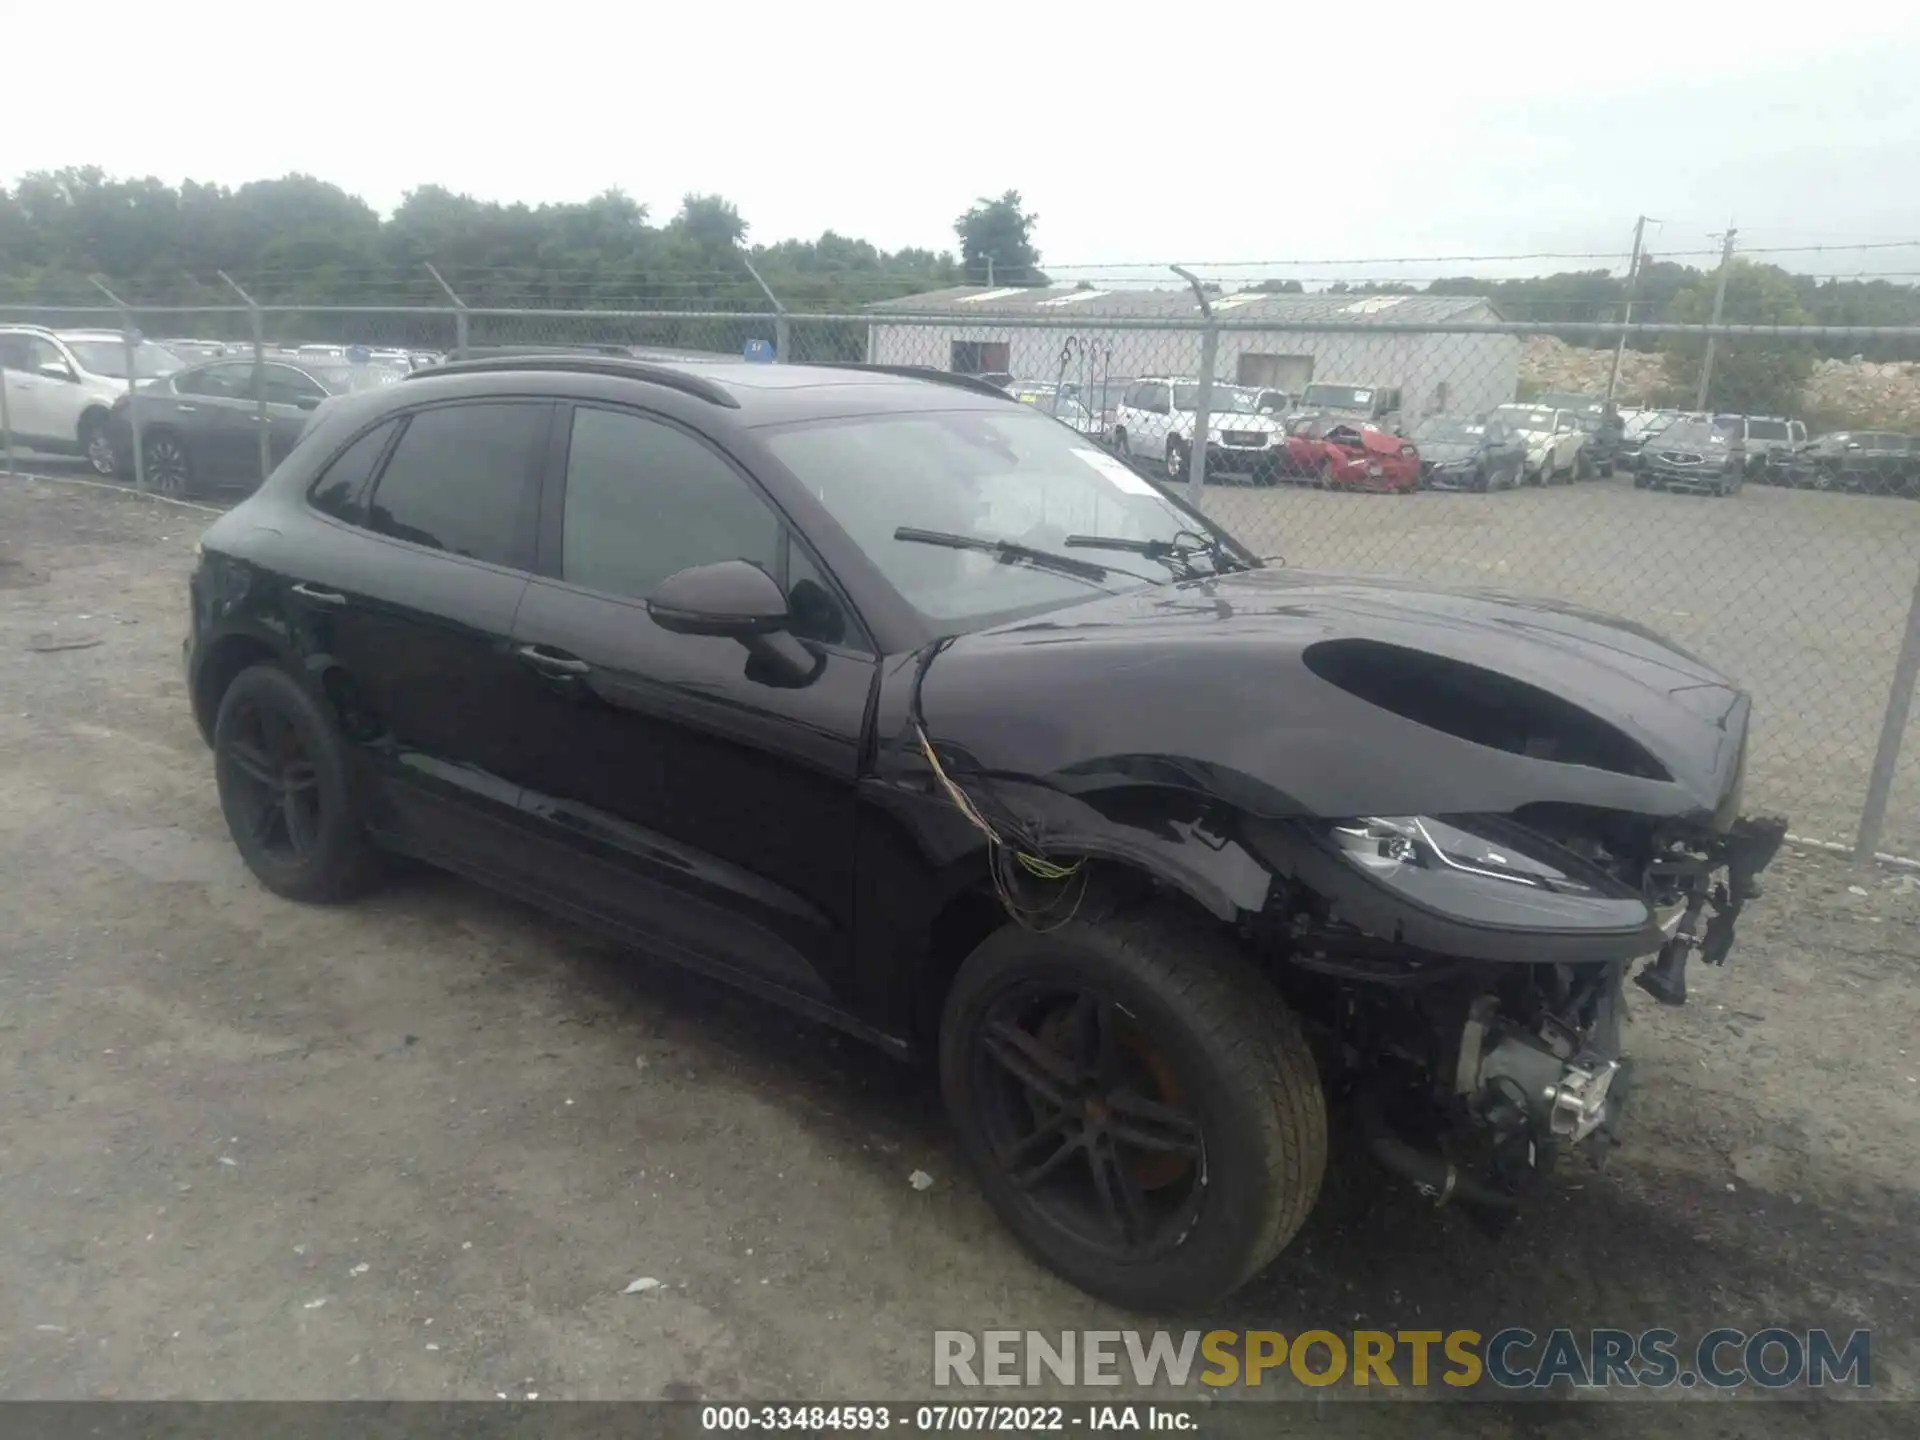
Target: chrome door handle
[(553, 664), (186, 409), (319, 597)]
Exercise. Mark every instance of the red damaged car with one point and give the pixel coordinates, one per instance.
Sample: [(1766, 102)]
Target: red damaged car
[(1343, 454)]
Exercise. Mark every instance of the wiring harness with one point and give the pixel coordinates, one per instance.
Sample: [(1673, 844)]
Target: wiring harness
[(1016, 856)]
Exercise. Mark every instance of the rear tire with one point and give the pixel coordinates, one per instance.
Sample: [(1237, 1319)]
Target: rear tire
[(1120, 445), (1176, 460), (281, 768), (167, 465), (1325, 480), (1061, 1052)]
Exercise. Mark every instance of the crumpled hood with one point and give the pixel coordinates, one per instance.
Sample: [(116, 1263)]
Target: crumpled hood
[(1242, 687), (1379, 442)]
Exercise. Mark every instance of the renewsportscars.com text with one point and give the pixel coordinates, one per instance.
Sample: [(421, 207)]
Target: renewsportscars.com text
[(1515, 1358)]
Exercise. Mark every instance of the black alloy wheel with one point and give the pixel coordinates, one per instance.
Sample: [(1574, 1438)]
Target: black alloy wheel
[(272, 778), (281, 770), (1085, 1116), (1141, 1107)]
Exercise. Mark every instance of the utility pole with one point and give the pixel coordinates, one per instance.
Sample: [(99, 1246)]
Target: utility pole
[(989, 272), (1719, 304), (1626, 315)]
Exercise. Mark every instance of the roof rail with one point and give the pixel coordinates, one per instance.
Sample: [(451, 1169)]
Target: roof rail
[(623, 369), (920, 372)]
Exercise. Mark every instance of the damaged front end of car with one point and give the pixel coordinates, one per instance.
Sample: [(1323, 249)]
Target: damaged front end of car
[(1449, 826), (1467, 974)]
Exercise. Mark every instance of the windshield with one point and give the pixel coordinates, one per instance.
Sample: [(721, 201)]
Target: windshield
[(1337, 397), (1010, 475), (1567, 400), (1225, 400), (1694, 434), (1767, 430), (109, 358), (1447, 432), (1525, 417)]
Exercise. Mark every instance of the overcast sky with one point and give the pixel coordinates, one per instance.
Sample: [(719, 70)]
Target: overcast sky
[(1279, 133)]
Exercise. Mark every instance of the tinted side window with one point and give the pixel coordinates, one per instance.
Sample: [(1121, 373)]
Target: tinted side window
[(343, 487), (232, 382), (284, 385), (460, 479), (644, 500)]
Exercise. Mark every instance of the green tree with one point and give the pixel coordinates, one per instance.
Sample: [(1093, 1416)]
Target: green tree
[(1760, 376), (996, 237)]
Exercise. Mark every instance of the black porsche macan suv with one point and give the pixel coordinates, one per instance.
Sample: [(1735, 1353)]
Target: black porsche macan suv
[(900, 703)]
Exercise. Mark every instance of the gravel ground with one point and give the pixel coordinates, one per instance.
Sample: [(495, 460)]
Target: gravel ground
[(417, 1147)]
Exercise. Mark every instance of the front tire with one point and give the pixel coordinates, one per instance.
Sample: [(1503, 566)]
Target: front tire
[(281, 768), (1141, 1107), (97, 445)]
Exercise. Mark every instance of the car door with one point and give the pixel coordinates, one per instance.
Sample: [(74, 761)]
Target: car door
[(38, 401), (1155, 419), (1566, 439), (681, 793), (292, 395), (211, 409), (406, 587)]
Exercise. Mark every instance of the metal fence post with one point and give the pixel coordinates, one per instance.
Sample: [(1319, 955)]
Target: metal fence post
[(1893, 729), (1203, 402), (262, 422), (782, 330), (6, 422), (459, 313), (133, 384)]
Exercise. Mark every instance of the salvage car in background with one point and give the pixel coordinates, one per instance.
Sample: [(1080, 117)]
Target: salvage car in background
[(1059, 401), (1155, 419), (62, 385), (898, 704), (1340, 453), (1874, 462), (1553, 439), (1370, 404), (200, 426), (1694, 454), (1462, 454), (1764, 436)]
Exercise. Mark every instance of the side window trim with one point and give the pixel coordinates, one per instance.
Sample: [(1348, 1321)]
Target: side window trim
[(550, 529)]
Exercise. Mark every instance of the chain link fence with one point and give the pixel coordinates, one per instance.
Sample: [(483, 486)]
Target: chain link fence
[(1622, 468)]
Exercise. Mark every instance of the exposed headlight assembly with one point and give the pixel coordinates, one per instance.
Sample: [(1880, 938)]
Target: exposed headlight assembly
[(1485, 873)]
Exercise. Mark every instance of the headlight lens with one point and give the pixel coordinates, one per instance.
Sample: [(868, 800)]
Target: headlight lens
[(1386, 844)]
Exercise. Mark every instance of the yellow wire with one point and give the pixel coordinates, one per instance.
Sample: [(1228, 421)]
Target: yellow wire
[(1036, 865)]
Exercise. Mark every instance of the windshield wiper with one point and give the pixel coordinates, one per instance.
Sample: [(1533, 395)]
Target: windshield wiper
[(1175, 549), (1007, 552)]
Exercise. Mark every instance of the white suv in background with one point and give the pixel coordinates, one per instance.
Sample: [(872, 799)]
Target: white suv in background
[(1154, 422), (61, 384)]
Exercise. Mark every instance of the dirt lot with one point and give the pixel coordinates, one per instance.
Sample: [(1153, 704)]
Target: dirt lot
[(417, 1147)]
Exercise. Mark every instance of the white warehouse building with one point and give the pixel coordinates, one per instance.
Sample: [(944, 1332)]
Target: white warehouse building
[(975, 329)]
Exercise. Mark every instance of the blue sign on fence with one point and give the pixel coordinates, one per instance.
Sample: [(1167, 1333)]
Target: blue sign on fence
[(758, 350)]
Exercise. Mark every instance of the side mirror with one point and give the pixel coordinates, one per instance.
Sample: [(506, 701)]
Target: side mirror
[(308, 402), (55, 370), (730, 598)]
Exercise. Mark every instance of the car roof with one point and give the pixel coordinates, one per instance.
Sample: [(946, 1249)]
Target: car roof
[(755, 394)]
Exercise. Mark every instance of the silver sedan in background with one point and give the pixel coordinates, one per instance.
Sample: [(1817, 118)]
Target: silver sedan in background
[(200, 427)]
